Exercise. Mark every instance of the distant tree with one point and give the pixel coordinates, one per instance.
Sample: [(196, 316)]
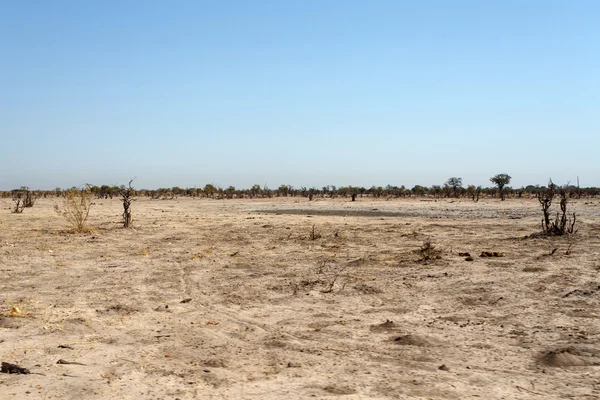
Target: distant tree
[(104, 192), (454, 183), (255, 191), (419, 190), (266, 191), (209, 190), (283, 190), (471, 191), (377, 191), (501, 180), (229, 192), (355, 191), (176, 190)]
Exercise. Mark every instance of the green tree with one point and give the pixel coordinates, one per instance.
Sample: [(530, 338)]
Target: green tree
[(209, 190), (283, 190), (229, 192), (501, 180), (255, 191), (419, 190), (455, 183)]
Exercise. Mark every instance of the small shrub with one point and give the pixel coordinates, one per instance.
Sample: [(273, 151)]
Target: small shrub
[(19, 203), (127, 193), (23, 198), (30, 198), (76, 208), (563, 223), (329, 276), (429, 252)]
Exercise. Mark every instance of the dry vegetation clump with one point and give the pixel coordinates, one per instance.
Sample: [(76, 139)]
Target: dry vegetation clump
[(314, 235), (326, 275), (127, 193), (428, 252), (563, 223), (76, 208), (23, 198), (19, 203), (29, 198)]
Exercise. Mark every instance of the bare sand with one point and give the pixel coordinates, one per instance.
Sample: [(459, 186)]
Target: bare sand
[(231, 299)]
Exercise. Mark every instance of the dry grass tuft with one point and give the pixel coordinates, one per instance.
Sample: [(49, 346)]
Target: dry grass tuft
[(76, 208), (429, 252)]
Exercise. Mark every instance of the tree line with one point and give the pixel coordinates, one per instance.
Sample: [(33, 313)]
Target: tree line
[(452, 188)]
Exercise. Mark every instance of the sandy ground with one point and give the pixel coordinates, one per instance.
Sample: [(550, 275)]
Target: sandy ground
[(231, 299)]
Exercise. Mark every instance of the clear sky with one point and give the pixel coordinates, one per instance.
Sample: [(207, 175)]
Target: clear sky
[(307, 93)]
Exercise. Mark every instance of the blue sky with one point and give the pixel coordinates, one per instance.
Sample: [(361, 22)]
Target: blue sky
[(307, 93)]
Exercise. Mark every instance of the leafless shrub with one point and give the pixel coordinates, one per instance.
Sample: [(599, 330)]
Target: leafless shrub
[(127, 193), (327, 275), (332, 273), (569, 249), (563, 223), (23, 198), (29, 199), (19, 203), (76, 208), (428, 252)]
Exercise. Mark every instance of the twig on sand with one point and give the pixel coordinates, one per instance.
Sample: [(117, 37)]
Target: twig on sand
[(61, 361), (522, 389), (8, 368), (330, 349)]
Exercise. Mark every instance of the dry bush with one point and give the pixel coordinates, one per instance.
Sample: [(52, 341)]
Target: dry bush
[(563, 223), (428, 252), (29, 198), (314, 235), (19, 203), (23, 198), (76, 208), (127, 193), (326, 275)]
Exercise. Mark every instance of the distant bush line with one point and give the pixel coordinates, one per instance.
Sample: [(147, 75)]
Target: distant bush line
[(351, 192)]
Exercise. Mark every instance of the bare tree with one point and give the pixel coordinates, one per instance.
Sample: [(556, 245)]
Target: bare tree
[(19, 201), (22, 198), (501, 180), (562, 224), (127, 194)]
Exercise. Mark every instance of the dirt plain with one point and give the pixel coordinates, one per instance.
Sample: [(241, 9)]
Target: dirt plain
[(233, 299)]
